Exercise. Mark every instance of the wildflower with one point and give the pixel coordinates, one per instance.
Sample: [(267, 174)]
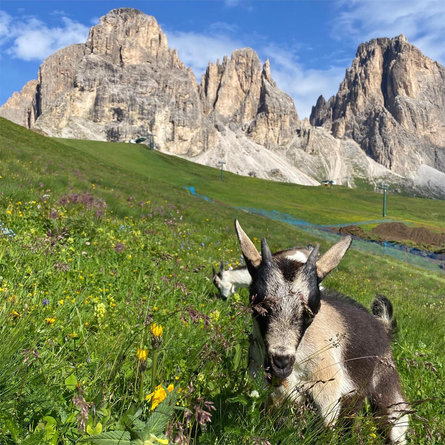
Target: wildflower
[(45, 302), (73, 335), (254, 394), (156, 330), (170, 387), (50, 320), (100, 310), (214, 315), (156, 397), (154, 440), (142, 354), (15, 314)]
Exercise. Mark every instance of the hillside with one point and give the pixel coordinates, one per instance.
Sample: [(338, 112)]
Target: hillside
[(100, 241)]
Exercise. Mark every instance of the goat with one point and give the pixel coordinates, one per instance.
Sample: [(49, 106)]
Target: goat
[(229, 281), (320, 343)]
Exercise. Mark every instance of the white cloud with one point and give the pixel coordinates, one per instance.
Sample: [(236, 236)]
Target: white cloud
[(197, 50), (302, 84), (28, 38), (423, 22)]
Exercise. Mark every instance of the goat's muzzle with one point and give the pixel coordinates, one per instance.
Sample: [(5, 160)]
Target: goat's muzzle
[(282, 365)]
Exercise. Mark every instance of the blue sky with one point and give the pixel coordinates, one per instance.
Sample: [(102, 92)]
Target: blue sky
[(309, 43)]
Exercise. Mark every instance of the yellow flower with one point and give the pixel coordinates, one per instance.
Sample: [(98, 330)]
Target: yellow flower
[(50, 320), (154, 440), (156, 330), (156, 397), (170, 387), (214, 315), (15, 314), (142, 354)]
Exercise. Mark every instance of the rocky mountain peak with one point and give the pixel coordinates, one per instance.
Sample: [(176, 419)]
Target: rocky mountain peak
[(392, 102), (129, 37), (240, 90)]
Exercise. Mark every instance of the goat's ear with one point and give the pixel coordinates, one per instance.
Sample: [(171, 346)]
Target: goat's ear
[(221, 267), (250, 252), (332, 257)]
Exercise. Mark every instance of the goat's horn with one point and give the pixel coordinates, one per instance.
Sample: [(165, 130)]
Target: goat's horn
[(221, 267), (312, 259), (249, 250), (265, 251), (214, 271), (314, 254)]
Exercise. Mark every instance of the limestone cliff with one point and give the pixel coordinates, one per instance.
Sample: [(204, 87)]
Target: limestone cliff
[(240, 91), (23, 108), (392, 103), (125, 81)]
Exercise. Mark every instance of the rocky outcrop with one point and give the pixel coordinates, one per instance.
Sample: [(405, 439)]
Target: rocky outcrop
[(122, 83), (392, 103), (242, 92), (23, 108), (125, 81)]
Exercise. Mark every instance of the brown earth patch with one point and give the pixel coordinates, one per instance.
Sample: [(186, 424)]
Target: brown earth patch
[(353, 230), (400, 233)]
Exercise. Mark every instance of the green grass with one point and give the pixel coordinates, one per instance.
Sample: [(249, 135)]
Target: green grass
[(82, 284)]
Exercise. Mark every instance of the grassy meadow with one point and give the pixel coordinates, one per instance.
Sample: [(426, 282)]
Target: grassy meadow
[(111, 332)]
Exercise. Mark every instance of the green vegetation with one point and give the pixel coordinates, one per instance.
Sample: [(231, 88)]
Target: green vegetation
[(111, 332)]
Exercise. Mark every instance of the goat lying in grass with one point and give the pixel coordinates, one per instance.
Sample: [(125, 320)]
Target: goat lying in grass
[(229, 281), (319, 342)]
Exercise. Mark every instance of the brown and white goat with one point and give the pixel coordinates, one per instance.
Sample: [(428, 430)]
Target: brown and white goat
[(318, 342), (228, 281)]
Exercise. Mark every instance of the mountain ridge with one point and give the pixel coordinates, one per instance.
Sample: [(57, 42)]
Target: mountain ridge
[(126, 81)]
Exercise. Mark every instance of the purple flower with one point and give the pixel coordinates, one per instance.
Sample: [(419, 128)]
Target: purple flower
[(202, 245), (45, 302)]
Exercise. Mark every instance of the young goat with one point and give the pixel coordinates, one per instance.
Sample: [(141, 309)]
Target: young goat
[(229, 281), (321, 343)]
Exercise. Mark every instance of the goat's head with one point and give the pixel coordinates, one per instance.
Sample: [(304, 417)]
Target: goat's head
[(225, 287), (285, 296)]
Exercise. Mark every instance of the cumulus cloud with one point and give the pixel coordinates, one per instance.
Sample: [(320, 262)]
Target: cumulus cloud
[(422, 22), (28, 38)]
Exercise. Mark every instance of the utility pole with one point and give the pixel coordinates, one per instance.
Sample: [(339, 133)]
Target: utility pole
[(221, 164), (384, 187)]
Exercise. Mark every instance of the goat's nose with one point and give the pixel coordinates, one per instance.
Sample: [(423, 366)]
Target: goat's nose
[(281, 361)]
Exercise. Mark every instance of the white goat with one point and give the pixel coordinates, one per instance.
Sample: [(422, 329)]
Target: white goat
[(229, 281)]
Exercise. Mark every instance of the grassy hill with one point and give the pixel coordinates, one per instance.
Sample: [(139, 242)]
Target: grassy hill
[(102, 245)]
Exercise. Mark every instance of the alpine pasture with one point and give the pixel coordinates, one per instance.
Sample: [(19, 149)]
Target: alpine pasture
[(111, 331)]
